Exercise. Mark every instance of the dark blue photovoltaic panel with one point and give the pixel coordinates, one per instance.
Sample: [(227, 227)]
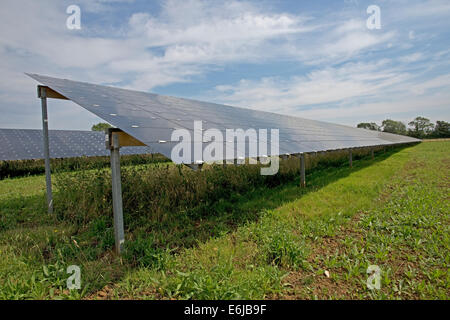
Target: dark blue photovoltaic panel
[(152, 118), (24, 144)]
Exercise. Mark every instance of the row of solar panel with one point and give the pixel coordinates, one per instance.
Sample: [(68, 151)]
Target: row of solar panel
[(24, 144), (152, 119)]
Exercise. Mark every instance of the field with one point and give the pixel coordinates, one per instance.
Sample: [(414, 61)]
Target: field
[(229, 233)]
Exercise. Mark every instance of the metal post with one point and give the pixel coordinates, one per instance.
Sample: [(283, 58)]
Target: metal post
[(350, 158), (302, 171), (372, 154), (48, 179), (119, 233)]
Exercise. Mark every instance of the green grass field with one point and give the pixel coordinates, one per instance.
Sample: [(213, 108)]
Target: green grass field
[(270, 240)]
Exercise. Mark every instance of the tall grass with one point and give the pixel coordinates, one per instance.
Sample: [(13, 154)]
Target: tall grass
[(158, 191), (163, 192)]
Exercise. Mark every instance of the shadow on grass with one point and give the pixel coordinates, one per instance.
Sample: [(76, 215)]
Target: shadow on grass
[(193, 226)]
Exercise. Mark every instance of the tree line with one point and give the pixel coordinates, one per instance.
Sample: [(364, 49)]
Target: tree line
[(420, 127)]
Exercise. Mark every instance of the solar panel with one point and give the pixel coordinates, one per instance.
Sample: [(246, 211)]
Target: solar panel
[(152, 118), (25, 144)]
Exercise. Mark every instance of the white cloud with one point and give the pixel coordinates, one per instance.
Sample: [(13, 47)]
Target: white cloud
[(353, 90), (424, 9), (433, 106), (439, 82), (416, 56), (100, 6), (328, 85), (187, 40), (192, 34)]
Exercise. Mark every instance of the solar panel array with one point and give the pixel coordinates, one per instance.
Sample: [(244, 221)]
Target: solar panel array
[(152, 118), (25, 144)]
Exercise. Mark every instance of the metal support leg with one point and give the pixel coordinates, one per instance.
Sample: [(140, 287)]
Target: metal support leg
[(302, 171), (119, 233), (350, 158), (48, 179)]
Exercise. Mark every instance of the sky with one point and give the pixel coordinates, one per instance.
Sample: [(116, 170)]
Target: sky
[(312, 59)]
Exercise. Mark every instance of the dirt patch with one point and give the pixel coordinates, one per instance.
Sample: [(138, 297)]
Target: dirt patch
[(109, 292), (319, 282)]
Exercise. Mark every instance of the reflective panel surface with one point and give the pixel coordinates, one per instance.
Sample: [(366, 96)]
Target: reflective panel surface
[(152, 119), (25, 144)]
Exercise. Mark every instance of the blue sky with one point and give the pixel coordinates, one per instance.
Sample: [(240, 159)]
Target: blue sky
[(313, 59)]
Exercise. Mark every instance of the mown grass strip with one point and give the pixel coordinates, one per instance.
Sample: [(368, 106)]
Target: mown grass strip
[(407, 238)]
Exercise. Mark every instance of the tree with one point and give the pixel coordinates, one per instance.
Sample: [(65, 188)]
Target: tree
[(393, 126), (420, 127), (441, 129), (369, 126), (102, 126)]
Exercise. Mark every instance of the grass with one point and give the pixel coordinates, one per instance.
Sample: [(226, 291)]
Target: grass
[(269, 239), (405, 233), (20, 168)]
